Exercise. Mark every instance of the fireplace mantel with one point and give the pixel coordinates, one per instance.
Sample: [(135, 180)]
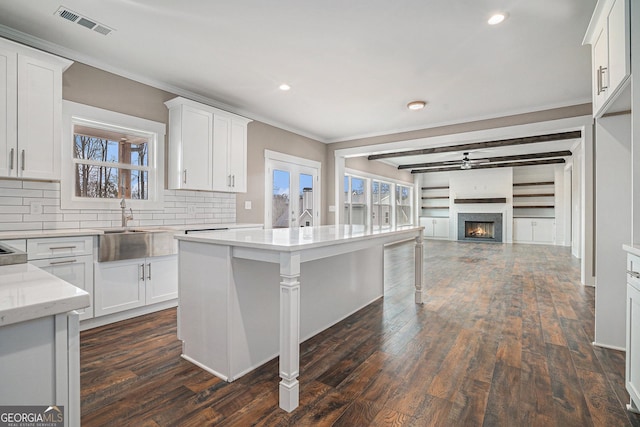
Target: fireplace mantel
[(482, 200)]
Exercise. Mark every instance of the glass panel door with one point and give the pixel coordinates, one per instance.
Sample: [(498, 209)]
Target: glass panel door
[(281, 196), (292, 195)]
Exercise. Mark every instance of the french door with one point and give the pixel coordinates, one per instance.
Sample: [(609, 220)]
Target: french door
[(294, 193)]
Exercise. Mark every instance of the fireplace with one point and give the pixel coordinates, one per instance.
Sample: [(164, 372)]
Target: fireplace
[(480, 227)]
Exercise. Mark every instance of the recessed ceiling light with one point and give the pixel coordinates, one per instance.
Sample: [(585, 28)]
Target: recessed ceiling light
[(416, 105), (497, 18), (284, 87)]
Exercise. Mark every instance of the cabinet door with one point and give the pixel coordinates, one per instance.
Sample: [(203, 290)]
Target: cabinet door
[(76, 270), (427, 223), (632, 380), (441, 228), (544, 231), (238, 157), (197, 136), (618, 42), (600, 69), (161, 278), (119, 286), (8, 117), (222, 179), (39, 118), (522, 230)]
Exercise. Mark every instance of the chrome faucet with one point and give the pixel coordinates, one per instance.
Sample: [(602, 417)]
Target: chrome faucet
[(125, 217)]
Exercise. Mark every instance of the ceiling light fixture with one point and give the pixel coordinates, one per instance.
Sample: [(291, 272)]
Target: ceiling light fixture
[(284, 87), (416, 105), (497, 18)]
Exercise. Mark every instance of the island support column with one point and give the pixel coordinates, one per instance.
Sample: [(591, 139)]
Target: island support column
[(289, 330), (418, 271)]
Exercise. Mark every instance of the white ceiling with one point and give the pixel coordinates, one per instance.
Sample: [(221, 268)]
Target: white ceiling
[(352, 65)]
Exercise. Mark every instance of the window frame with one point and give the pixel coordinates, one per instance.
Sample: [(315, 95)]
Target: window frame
[(74, 113)]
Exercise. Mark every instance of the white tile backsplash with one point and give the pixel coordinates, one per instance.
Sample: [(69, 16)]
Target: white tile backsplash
[(16, 197)]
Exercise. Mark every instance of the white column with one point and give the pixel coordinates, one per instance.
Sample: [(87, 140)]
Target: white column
[(289, 330), (418, 270)]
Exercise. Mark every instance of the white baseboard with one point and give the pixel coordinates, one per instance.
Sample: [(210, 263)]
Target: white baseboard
[(124, 315), (610, 347)]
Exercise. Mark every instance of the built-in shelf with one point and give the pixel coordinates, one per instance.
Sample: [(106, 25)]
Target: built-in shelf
[(446, 187), (435, 207), (433, 200), (534, 207), (482, 200), (535, 195), (434, 197)]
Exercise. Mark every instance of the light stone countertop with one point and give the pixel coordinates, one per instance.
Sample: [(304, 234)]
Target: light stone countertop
[(632, 249), (291, 239), (36, 234), (27, 292)]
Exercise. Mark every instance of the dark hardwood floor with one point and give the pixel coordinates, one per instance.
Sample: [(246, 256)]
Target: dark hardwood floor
[(504, 339)]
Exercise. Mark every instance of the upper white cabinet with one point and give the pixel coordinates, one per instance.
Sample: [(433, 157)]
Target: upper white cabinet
[(610, 40), (30, 112), (207, 148)]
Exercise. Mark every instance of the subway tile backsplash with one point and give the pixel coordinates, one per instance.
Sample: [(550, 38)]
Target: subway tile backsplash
[(180, 207)]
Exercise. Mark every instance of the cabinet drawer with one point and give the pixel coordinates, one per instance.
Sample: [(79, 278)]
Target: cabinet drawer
[(59, 247), (633, 271)]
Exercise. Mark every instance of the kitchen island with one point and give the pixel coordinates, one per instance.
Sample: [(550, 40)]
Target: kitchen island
[(240, 289)]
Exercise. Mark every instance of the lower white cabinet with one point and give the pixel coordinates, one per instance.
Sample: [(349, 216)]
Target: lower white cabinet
[(534, 230), (76, 270), (40, 364), (69, 258), (437, 228), (632, 373), (123, 285)]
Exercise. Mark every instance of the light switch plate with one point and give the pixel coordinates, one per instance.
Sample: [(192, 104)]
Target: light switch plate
[(247, 204), (332, 208), (191, 209)]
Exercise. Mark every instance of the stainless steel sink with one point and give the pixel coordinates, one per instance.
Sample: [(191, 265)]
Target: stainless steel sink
[(10, 255), (131, 243)]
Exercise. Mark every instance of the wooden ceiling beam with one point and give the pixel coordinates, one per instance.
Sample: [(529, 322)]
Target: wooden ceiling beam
[(480, 145), (548, 154), (493, 165)]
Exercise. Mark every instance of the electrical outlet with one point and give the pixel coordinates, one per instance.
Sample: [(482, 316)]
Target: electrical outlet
[(191, 209), (35, 208)]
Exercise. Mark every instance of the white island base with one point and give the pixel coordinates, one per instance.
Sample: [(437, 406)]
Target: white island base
[(230, 312)]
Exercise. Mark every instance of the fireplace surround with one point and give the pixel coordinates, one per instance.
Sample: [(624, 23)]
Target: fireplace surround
[(480, 227)]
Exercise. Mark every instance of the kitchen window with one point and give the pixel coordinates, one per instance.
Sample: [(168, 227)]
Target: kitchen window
[(110, 156), (404, 206), (355, 200)]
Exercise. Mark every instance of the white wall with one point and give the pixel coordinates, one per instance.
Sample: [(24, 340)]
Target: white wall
[(17, 199), (613, 227)]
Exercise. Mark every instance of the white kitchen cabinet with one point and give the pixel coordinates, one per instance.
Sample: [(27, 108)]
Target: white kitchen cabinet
[(610, 40), (190, 147), (123, 285), (534, 230), (40, 364), (632, 372), (230, 154), (69, 258), (207, 148), (436, 228), (30, 112)]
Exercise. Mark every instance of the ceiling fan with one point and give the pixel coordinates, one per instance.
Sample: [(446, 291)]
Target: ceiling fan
[(467, 163)]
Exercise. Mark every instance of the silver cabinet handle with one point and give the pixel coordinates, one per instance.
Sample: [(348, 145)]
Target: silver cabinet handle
[(184, 176), (23, 157), (228, 180), (141, 269), (149, 272), (233, 183), (11, 161), (633, 274), (54, 248), (69, 261), (600, 79)]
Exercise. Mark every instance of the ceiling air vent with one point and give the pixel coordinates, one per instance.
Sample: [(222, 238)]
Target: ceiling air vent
[(91, 24)]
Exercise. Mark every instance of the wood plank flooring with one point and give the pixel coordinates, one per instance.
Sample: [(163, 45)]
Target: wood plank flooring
[(504, 339)]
